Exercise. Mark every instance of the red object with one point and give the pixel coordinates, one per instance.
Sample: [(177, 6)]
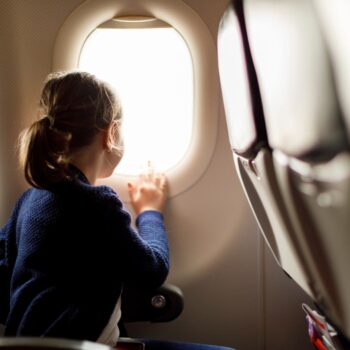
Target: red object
[(319, 345)]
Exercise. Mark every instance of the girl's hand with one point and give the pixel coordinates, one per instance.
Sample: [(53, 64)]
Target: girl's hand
[(149, 192)]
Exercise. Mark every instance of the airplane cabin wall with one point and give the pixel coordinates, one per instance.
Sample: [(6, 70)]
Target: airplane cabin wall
[(235, 294)]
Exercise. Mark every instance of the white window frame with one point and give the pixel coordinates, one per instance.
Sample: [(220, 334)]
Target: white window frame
[(206, 106)]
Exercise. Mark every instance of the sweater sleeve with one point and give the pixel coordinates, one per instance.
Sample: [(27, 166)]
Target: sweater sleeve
[(4, 275), (143, 255), (7, 256)]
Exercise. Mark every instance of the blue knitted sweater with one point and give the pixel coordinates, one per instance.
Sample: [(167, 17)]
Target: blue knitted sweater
[(65, 254)]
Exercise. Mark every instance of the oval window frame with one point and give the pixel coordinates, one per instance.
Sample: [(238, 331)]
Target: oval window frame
[(206, 107)]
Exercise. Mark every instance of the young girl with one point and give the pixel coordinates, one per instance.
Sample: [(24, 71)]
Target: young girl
[(69, 246)]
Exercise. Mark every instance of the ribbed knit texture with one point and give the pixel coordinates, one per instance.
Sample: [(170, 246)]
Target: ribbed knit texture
[(66, 254)]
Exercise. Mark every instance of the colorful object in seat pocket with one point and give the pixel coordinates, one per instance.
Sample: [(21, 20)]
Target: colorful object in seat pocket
[(320, 331)]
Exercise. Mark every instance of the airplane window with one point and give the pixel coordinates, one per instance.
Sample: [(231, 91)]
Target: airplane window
[(150, 66)]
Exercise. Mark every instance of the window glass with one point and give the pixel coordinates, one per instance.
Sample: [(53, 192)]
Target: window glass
[(151, 70)]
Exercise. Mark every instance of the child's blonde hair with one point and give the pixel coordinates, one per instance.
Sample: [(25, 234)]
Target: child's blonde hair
[(74, 107)]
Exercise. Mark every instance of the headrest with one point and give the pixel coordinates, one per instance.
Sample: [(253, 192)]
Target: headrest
[(334, 18), (302, 113)]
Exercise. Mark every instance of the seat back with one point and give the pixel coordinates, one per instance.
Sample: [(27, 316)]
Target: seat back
[(250, 144), (303, 81)]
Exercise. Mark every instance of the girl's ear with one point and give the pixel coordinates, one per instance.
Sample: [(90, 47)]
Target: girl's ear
[(111, 137)]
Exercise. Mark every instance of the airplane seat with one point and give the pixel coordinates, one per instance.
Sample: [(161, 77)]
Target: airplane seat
[(250, 143), (306, 161), (163, 304)]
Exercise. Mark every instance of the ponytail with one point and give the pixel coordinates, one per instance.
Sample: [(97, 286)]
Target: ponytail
[(43, 153)]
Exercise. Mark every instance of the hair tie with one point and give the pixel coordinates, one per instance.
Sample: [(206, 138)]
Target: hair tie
[(51, 119)]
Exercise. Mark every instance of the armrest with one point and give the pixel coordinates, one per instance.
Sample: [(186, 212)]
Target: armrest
[(160, 305)]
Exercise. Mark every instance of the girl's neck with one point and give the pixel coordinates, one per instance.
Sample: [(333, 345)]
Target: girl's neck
[(88, 171), (89, 161)]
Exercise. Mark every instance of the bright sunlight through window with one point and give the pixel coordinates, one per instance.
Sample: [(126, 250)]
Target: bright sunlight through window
[(151, 70)]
